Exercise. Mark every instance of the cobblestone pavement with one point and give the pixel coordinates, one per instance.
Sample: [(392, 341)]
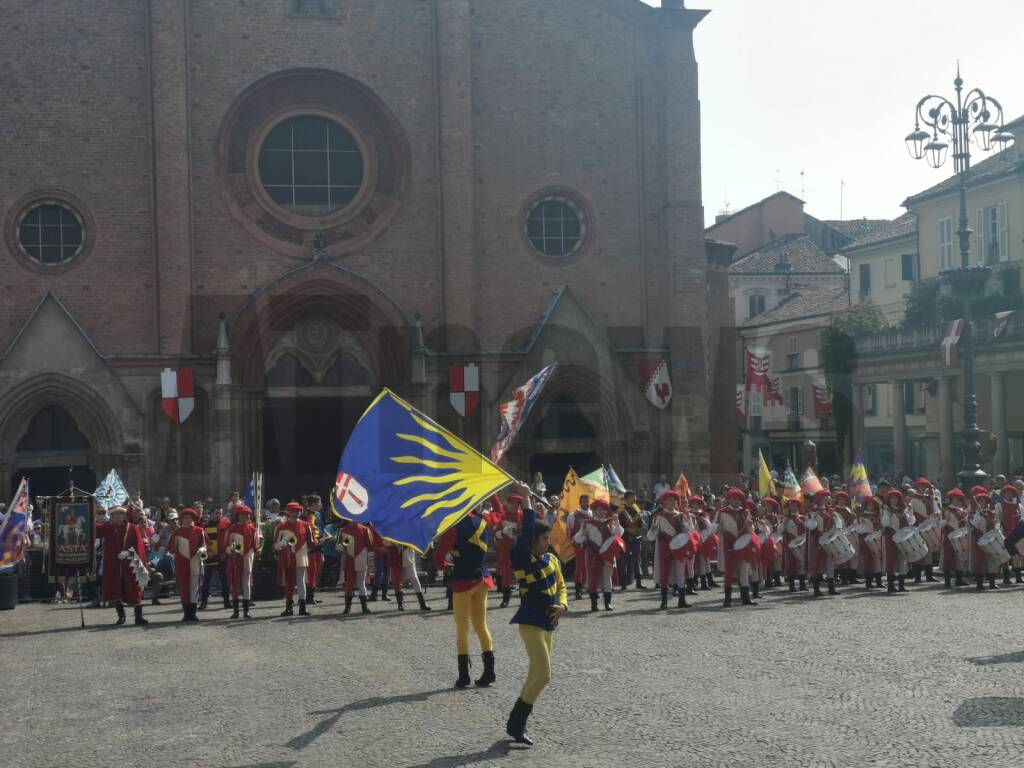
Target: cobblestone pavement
[(927, 678)]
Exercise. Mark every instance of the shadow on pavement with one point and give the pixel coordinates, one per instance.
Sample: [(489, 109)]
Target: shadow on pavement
[(990, 712), (1002, 658), (498, 749)]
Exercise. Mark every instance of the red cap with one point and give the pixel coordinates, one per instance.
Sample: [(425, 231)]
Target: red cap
[(770, 502), (694, 500), (841, 495), (978, 490), (750, 505), (735, 493), (982, 497), (515, 497), (293, 506), (955, 493), (600, 503), (819, 496), (242, 509), (873, 501), (894, 493), (669, 494), (1008, 489), (794, 500), (922, 481), (189, 511)]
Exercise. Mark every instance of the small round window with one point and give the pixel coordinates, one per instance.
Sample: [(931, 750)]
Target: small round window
[(50, 233), (555, 226), (311, 166)]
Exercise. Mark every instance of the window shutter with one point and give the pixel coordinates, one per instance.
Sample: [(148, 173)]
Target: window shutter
[(1004, 239)]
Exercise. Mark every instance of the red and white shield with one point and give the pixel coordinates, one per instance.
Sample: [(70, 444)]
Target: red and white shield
[(657, 384), (176, 389), (464, 388)]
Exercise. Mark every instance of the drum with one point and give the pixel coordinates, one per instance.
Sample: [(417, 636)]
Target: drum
[(684, 545), (709, 543), (593, 535), (910, 543), (960, 541), (931, 530), (854, 539), (837, 545), (777, 557), (796, 547), (993, 546), (612, 549), (746, 549), (873, 541)]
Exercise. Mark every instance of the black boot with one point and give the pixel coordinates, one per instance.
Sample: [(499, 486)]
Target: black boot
[(120, 614), (728, 598), (448, 597), (184, 611), (348, 605), (234, 606), (992, 581), (593, 602), (287, 608), (831, 586), (691, 586), (1020, 575), (745, 596), (915, 574), (579, 591), (423, 602), (202, 602), (245, 609), (302, 608), (902, 587), (853, 576), (711, 582), (755, 588), (891, 584), (463, 680), (778, 578), (311, 595), (400, 599), (816, 583), (960, 579), (227, 601), (980, 582), (803, 583), (948, 578), (1006, 576), (488, 676), (139, 621), (867, 580), (608, 600), (664, 599), (363, 607), (373, 594), (878, 579), (704, 582), (929, 575), (506, 595), (384, 593), (792, 584), (193, 612), (682, 599), (516, 725), (639, 584)]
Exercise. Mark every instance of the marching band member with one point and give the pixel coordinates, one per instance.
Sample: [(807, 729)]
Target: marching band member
[(708, 543), (843, 513), (575, 521), (819, 563), (544, 601), (216, 529), (243, 542), (732, 521), (766, 518), (292, 542), (869, 520), (894, 518), (402, 562), (188, 542), (954, 517), (1008, 512), (983, 521), (312, 505), (123, 546), (354, 542), (632, 522), (923, 505), (665, 524), (470, 582), (689, 525), (506, 528), (792, 528), (592, 536)]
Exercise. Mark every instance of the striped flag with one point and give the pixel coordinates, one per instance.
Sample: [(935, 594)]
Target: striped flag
[(858, 484), (16, 524), (597, 484), (515, 412), (790, 487), (809, 483)]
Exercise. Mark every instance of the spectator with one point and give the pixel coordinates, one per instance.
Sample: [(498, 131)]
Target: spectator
[(660, 487)]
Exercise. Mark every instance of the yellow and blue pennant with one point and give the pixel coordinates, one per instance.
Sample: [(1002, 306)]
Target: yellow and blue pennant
[(409, 477)]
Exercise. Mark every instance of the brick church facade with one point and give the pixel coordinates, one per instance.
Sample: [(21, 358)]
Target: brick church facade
[(304, 201)]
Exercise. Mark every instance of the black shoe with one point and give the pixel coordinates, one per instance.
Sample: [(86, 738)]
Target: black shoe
[(891, 584), (639, 584), (348, 605), (192, 612), (579, 591), (992, 581), (1006, 577), (120, 614), (755, 588), (745, 596), (704, 582), (516, 725), (711, 582), (488, 676), (682, 599), (234, 606), (373, 595), (287, 608), (803, 583), (728, 598), (302, 608), (384, 594), (311, 595), (915, 574), (816, 583), (506, 595), (980, 586), (463, 681), (948, 578), (960, 579), (203, 601), (867, 581), (156, 600), (691, 587), (878, 579), (928, 575), (831, 586), (593, 602), (246, 604), (902, 587), (608, 600), (423, 602), (1020, 575), (363, 607), (792, 584), (400, 599), (664, 599), (139, 621), (227, 603)]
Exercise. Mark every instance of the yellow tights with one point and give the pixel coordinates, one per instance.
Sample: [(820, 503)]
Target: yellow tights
[(538, 649), (471, 606)]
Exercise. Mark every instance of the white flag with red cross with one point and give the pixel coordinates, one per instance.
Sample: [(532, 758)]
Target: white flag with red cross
[(176, 390)]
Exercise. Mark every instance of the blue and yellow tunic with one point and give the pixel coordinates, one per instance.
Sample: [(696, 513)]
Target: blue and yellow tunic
[(541, 585)]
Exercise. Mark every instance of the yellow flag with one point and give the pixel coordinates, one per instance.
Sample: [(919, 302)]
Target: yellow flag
[(765, 484), (569, 501)]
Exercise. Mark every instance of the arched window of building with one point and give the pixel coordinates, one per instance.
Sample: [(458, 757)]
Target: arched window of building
[(52, 429), (564, 419), (347, 371), (288, 372)]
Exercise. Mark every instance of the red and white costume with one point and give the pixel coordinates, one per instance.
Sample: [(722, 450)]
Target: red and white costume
[(924, 505), (843, 517), (592, 537), (733, 523), (242, 545), (575, 521), (954, 517), (895, 517), (1009, 513), (666, 525), (708, 532), (292, 542), (818, 521), (869, 520), (792, 527), (188, 543), (983, 520), (355, 545), (506, 524), (119, 541)]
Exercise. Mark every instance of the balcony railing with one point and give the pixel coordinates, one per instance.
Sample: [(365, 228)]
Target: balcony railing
[(930, 337)]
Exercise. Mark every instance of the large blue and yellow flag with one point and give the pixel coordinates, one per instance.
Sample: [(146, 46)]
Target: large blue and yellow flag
[(408, 477)]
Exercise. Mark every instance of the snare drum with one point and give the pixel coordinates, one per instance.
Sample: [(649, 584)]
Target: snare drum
[(612, 549), (796, 547), (960, 541), (777, 554), (682, 547), (910, 543), (837, 546), (746, 549), (593, 535), (709, 542), (993, 546), (873, 541), (931, 530)]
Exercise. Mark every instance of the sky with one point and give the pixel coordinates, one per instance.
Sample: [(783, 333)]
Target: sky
[(829, 88)]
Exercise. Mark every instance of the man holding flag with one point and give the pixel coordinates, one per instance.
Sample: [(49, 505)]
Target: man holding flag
[(17, 523)]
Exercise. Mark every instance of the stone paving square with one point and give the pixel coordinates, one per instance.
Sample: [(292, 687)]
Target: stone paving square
[(864, 679)]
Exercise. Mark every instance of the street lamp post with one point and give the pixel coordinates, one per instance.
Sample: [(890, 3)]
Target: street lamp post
[(976, 115)]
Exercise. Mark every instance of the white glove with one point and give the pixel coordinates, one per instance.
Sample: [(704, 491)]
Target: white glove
[(279, 545), (122, 555)]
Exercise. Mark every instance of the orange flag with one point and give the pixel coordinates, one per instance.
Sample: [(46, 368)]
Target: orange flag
[(682, 486)]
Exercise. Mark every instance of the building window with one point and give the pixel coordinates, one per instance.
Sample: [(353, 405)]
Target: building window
[(871, 400), (907, 266), (555, 226), (993, 244), (311, 166), (865, 280), (755, 403), (50, 233), (755, 304), (792, 356), (945, 243)]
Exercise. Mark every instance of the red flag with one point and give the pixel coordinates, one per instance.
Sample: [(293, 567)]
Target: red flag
[(682, 486), (822, 400)]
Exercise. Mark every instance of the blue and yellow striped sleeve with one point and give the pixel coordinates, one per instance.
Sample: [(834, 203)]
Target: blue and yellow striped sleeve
[(560, 590)]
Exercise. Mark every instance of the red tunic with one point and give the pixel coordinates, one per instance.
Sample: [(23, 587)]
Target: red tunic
[(792, 528), (236, 560), (119, 584), (815, 554), (361, 542), (286, 558), (193, 539), (503, 544)]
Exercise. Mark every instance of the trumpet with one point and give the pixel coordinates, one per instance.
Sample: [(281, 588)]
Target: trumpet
[(237, 547), (287, 540), (346, 540), (203, 554)]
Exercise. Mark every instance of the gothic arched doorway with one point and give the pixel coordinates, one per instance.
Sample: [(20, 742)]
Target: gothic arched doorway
[(52, 453), (567, 435)]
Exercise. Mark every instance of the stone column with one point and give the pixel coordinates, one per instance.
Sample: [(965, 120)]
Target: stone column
[(899, 428), (1001, 461), (947, 471), (223, 455)]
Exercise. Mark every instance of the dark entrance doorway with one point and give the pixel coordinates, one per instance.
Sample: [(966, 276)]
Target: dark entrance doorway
[(52, 453), (554, 466), (51, 481)]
